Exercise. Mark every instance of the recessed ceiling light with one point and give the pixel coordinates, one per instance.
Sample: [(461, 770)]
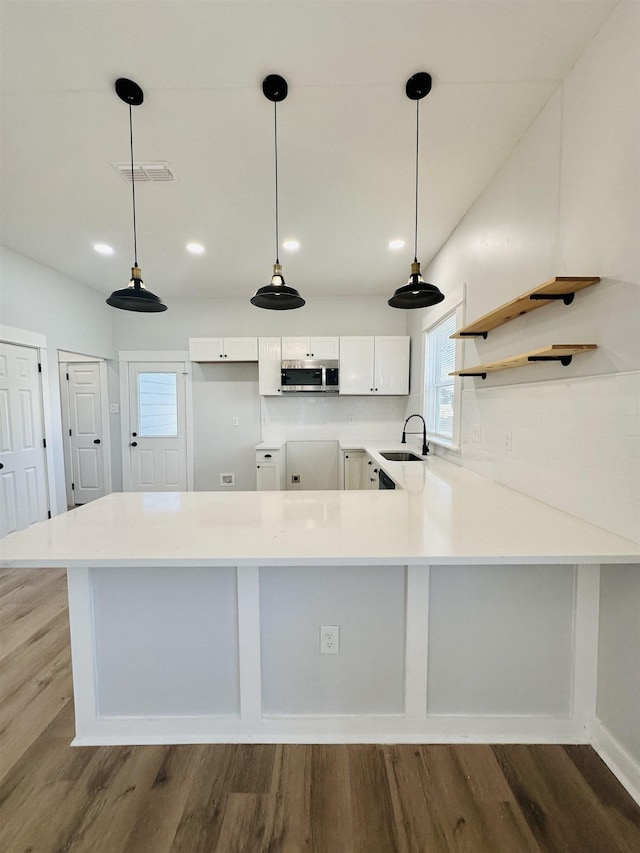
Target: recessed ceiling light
[(103, 249), (396, 244), (195, 248), (291, 245)]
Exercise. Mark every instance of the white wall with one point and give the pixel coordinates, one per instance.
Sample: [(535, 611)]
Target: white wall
[(71, 317), (618, 705), (564, 203), (317, 418), (193, 318), (222, 392)]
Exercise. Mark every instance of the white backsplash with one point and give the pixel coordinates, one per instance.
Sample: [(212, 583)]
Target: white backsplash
[(316, 417), (575, 444)]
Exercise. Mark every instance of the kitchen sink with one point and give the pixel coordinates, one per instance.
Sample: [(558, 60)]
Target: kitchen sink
[(400, 456)]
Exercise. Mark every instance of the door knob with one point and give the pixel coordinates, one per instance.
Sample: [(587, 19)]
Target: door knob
[(96, 441), (134, 434), (134, 444), (1, 465)]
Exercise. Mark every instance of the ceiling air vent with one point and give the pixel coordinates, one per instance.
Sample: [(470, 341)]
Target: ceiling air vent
[(144, 172)]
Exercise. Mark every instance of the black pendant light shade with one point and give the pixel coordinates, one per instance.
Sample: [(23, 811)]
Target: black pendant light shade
[(135, 297), (276, 296), (416, 293)]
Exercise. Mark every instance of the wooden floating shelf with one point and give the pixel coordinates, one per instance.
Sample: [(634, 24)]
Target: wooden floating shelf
[(555, 352), (557, 288)]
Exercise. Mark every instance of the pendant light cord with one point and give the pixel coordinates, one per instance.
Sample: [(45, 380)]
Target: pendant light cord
[(275, 145), (415, 238), (133, 190)]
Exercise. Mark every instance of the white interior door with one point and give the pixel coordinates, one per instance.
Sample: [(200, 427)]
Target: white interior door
[(157, 445), (85, 424), (23, 481)]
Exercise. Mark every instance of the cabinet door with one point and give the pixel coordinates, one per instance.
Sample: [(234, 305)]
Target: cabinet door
[(241, 349), (370, 474), (354, 469), (356, 365), (324, 348), (268, 477), (269, 359), (295, 348), (391, 374), (206, 349)]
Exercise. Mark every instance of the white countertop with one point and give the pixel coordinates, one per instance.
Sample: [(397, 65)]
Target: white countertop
[(411, 476), (444, 514)]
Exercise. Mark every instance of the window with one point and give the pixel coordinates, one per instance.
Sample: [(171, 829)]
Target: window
[(441, 397), (158, 404)]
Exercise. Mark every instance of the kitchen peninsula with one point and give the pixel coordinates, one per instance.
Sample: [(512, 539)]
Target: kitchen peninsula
[(466, 611)]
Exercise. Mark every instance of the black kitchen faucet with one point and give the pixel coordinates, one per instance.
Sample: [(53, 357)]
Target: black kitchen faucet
[(425, 446)]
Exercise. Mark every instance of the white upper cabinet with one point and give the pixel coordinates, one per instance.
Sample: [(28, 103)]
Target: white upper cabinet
[(356, 365), (327, 348), (391, 365), (374, 365), (269, 362), (223, 349)]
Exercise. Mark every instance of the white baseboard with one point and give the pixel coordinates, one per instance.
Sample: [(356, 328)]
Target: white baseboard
[(621, 764), (357, 728)]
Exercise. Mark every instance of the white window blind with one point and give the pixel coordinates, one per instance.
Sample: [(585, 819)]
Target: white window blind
[(440, 353), (157, 404)]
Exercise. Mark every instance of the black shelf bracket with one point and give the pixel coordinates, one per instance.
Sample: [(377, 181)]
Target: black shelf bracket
[(565, 360), (474, 335), (567, 298), (481, 375)]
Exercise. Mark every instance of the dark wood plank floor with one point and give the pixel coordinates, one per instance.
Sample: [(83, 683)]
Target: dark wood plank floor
[(270, 798)]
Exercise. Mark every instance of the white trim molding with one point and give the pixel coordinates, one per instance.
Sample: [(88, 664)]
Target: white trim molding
[(22, 337), (617, 759)]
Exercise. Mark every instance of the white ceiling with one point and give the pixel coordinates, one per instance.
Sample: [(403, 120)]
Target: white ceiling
[(346, 132)]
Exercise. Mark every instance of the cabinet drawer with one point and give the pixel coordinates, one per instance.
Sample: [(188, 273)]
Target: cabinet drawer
[(268, 455)]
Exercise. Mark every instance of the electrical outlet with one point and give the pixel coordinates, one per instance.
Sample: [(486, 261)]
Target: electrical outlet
[(263, 421), (235, 421), (508, 440), (329, 639), (350, 419), (476, 432), (227, 479)]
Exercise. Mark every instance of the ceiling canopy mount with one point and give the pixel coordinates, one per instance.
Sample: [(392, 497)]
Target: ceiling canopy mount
[(129, 92)]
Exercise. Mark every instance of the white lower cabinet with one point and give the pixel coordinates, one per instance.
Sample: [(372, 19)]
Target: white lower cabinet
[(269, 471), (353, 466), (370, 469)]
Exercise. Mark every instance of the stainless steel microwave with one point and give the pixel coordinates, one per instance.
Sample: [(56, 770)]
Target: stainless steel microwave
[(309, 376)]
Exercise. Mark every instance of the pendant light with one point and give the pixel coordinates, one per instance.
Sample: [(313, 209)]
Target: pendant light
[(416, 293), (276, 296), (135, 297)]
